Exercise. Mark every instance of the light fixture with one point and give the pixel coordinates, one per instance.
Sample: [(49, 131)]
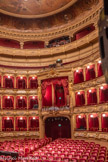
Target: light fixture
[(8, 118), (21, 118), (34, 118), (78, 93), (21, 97), (8, 97), (101, 87), (33, 97), (77, 71), (88, 67), (9, 76), (90, 90), (79, 116), (91, 116), (99, 61), (103, 115), (33, 77), (21, 77)]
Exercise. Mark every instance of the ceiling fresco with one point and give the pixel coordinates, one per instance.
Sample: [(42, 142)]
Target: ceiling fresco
[(75, 12), (33, 8)]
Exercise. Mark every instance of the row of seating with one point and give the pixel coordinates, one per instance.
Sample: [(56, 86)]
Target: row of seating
[(68, 150), (24, 147)]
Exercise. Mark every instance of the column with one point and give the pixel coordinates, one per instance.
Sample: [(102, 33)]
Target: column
[(98, 100), (73, 125), (14, 102), (41, 127), (1, 80), (27, 123), (72, 76), (96, 69), (73, 98), (84, 73), (85, 97), (14, 123), (87, 121), (1, 101), (27, 81), (70, 95), (100, 123), (46, 43), (15, 81), (27, 102), (39, 95), (0, 123), (21, 45)]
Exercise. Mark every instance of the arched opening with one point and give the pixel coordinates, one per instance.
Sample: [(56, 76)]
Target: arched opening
[(57, 127)]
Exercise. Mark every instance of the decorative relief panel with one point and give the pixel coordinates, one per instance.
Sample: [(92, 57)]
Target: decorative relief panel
[(95, 135)]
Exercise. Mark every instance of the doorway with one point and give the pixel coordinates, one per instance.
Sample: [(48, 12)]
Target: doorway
[(57, 127)]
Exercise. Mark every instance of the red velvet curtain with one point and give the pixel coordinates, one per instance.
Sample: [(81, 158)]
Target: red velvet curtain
[(78, 76), (9, 43), (33, 102), (80, 98), (92, 97), (8, 82), (33, 123), (8, 103), (84, 32), (99, 67), (81, 122), (103, 94), (0, 81), (21, 83), (58, 127), (47, 90), (59, 95), (90, 72), (21, 124), (33, 45), (33, 83), (105, 122), (21, 103), (93, 122), (7, 123), (47, 98)]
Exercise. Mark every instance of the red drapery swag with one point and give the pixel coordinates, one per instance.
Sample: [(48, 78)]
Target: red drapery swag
[(103, 94), (105, 121), (8, 82), (60, 86), (80, 98), (7, 123), (21, 83), (8, 102), (33, 83), (21, 123), (93, 122), (78, 76), (99, 67), (33, 123), (91, 97), (81, 122), (90, 72), (33, 101)]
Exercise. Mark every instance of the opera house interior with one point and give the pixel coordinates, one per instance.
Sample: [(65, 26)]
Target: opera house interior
[(53, 94)]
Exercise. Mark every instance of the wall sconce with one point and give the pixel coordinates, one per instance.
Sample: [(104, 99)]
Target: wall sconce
[(91, 116)]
